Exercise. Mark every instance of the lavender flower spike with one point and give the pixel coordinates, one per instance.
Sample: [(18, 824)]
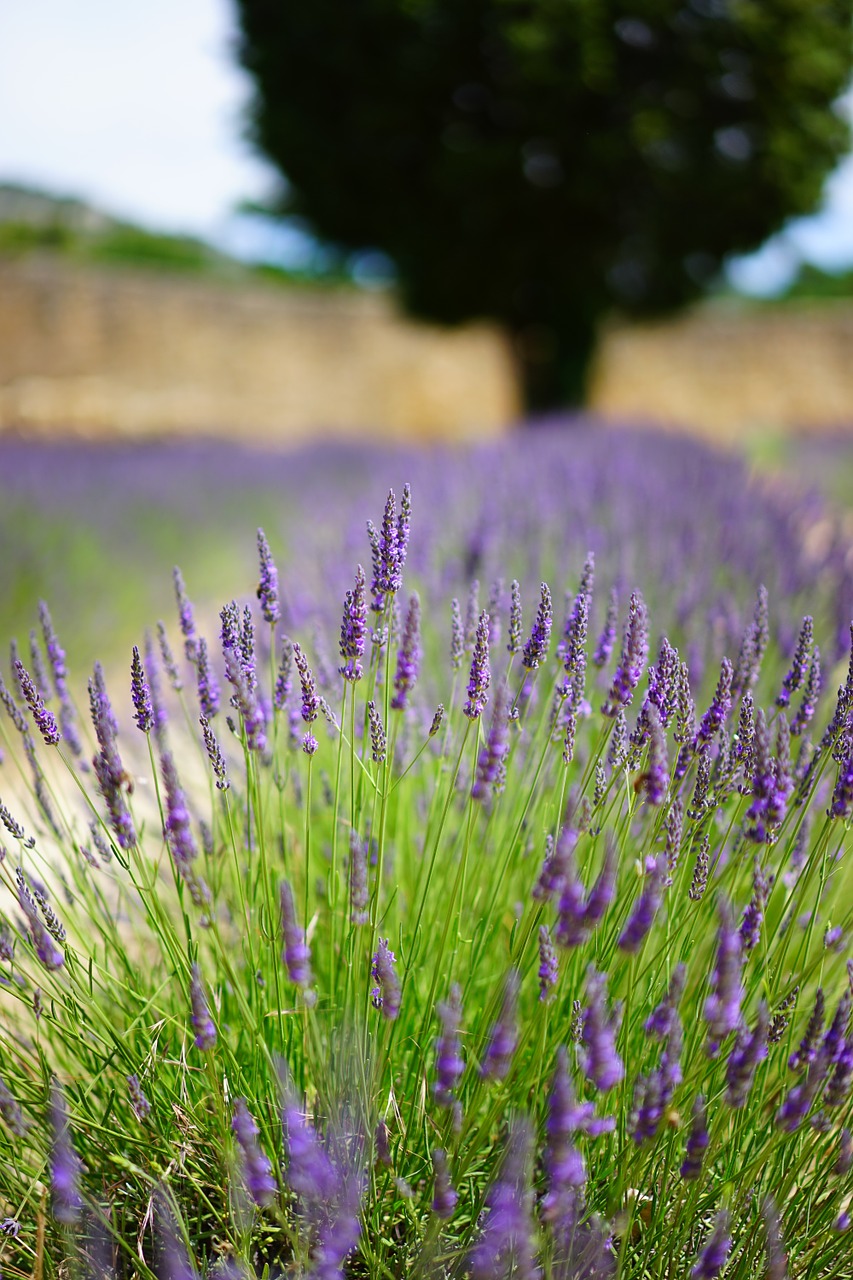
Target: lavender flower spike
[(449, 1063), (507, 1247), (268, 585), (408, 655), (697, 1141), (386, 994), (635, 648), (750, 1049), (565, 1167), (719, 709), (208, 686), (297, 953), (601, 1063), (257, 1170), (44, 718), (799, 667), (480, 677), (178, 832), (549, 965), (503, 1037), (537, 646), (185, 615), (310, 701), (203, 1024), (65, 1166), (140, 694), (642, 917), (713, 1257), (354, 629), (722, 1007), (444, 1196)]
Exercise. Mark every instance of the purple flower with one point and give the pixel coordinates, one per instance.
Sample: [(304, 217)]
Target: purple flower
[(750, 1049), (185, 615), (178, 832), (480, 677), (549, 965), (43, 941), (713, 1257), (203, 1024), (799, 667), (507, 1245), (11, 1111), (168, 657), (386, 994), (491, 761), (310, 1173), (842, 796), (721, 703), (664, 682), (634, 650), (503, 1035), (390, 547), (297, 953), (515, 623), (601, 1063), (284, 679), (214, 754), (140, 694), (56, 659), (378, 740), (444, 1196), (159, 718), (310, 701), (65, 1166), (268, 585), (660, 1021), (44, 718), (208, 686), (811, 693), (354, 628), (449, 1063), (139, 1102), (808, 1047), (565, 1169), (359, 891), (697, 1141), (457, 635), (750, 929), (656, 778), (642, 917), (607, 639), (777, 1261), (753, 647), (408, 654), (722, 1007), (257, 1170), (107, 764), (537, 646)]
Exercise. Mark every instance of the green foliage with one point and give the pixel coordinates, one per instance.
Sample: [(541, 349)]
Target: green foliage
[(543, 162)]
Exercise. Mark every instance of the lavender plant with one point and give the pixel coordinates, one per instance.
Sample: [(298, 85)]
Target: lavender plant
[(311, 978)]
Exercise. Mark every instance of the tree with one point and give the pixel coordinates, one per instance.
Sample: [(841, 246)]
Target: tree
[(544, 162)]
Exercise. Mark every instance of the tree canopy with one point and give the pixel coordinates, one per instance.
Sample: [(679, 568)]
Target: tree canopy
[(544, 162)]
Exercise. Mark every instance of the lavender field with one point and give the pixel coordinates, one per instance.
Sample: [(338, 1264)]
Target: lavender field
[(444, 882)]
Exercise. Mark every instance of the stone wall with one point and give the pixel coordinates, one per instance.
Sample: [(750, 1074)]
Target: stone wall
[(120, 352), (726, 369)]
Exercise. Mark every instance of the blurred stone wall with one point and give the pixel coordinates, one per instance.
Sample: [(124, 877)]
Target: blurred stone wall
[(725, 369), (111, 352)]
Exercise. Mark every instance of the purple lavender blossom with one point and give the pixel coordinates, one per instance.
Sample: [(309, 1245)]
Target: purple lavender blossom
[(842, 796), (185, 615), (310, 1173), (503, 1036), (811, 693), (457, 635), (472, 613), (806, 1053), (660, 1021), (354, 629), (159, 717), (65, 1165), (444, 1196), (449, 1063), (664, 682), (642, 917), (507, 1244), (607, 639), (169, 664), (634, 651), (601, 1063), (178, 832), (537, 646), (492, 758), (56, 659), (750, 1049), (480, 677), (43, 938), (656, 777), (208, 686), (408, 654), (753, 647), (713, 1257), (697, 1141), (799, 667), (378, 739), (310, 702), (750, 929), (386, 994), (140, 694), (758, 817), (44, 718), (214, 754), (297, 953), (722, 1007), (107, 764), (257, 1170), (515, 623), (138, 1101), (268, 584), (284, 679), (11, 1112), (718, 711), (549, 965), (202, 1022), (565, 1168), (392, 545), (359, 891), (777, 1261)]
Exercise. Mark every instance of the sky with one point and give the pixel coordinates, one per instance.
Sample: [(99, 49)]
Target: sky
[(138, 108)]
